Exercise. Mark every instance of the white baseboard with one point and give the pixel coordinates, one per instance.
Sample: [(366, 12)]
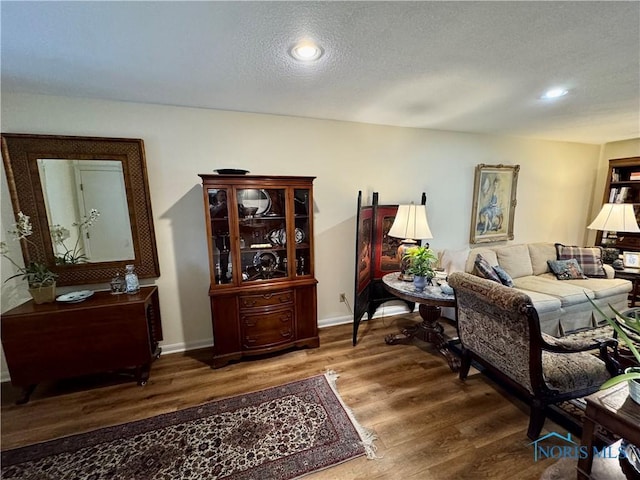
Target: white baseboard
[(168, 349), (383, 311)]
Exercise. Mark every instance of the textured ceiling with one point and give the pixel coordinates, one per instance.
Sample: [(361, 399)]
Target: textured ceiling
[(460, 66)]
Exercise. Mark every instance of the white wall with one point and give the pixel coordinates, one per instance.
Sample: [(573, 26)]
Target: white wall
[(554, 194)]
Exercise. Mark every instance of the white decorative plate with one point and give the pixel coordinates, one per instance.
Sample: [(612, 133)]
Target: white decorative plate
[(278, 236), (75, 297)]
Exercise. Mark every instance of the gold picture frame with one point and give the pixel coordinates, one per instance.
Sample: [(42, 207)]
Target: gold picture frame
[(494, 203)]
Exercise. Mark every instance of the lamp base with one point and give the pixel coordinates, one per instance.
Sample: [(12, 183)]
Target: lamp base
[(405, 245)]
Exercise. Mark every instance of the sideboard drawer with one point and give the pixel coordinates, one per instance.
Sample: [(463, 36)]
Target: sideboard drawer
[(261, 330), (279, 297)]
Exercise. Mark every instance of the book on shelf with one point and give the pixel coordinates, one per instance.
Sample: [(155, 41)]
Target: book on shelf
[(622, 196), (619, 195), (634, 176), (612, 195)]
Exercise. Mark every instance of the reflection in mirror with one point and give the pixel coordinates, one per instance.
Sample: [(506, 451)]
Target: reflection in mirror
[(87, 211)]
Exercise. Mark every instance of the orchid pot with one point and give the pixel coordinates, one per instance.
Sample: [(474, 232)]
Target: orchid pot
[(634, 384), (43, 293)]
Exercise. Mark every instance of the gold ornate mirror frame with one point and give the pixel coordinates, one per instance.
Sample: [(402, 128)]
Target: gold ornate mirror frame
[(20, 154)]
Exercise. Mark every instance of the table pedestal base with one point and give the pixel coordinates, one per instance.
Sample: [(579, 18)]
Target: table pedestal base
[(429, 330)]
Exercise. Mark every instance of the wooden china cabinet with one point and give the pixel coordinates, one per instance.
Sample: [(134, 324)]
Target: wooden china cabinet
[(260, 242)]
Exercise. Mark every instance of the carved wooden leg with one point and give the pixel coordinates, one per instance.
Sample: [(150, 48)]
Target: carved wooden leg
[(26, 394), (433, 332), (429, 330), (465, 364), (142, 374), (536, 419), (585, 462), (404, 337)]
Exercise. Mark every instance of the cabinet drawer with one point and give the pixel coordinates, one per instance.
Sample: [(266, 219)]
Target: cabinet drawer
[(266, 329), (279, 297)]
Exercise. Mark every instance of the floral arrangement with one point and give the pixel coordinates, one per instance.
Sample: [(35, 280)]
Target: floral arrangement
[(36, 274), (60, 234)]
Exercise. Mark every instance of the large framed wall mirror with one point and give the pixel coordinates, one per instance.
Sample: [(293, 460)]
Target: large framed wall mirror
[(88, 199)]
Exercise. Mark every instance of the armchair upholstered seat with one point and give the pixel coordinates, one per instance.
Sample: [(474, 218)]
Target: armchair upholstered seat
[(498, 327)]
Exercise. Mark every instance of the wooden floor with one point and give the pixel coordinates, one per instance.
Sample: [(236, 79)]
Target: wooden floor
[(429, 424)]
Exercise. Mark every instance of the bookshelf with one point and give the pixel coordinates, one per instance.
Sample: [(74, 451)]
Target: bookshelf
[(623, 186)]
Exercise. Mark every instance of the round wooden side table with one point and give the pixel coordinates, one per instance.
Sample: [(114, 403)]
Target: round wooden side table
[(430, 301)]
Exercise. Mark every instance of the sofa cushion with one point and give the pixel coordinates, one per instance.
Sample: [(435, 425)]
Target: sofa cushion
[(604, 287), (515, 260), (454, 260), (589, 258), (488, 253), (544, 303), (578, 371), (485, 270), (566, 269), (504, 277), (566, 292), (540, 253)]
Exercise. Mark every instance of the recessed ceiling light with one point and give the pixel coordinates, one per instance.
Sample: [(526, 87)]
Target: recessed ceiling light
[(306, 51), (554, 93)]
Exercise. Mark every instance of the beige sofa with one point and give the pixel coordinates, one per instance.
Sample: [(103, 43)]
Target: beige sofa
[(561, 304)]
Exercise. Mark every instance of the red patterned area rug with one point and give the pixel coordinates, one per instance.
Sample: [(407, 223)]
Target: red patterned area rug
[(279, 433)]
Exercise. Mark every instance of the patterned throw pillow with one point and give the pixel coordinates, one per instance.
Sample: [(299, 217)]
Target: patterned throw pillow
[(589, 259), (566, 269), (504, 277), (485, 270)]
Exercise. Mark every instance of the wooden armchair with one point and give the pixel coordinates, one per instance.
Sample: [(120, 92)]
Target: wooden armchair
[(498, 327)]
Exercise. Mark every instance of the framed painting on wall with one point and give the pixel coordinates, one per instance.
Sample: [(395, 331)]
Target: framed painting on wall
[(494, 203)]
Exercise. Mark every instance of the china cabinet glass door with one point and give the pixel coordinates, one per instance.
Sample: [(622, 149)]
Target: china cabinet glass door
[(302, 232), (221, 245), (262, 220)]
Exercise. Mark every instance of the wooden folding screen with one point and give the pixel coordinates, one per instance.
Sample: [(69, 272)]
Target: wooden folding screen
[(376, 255)]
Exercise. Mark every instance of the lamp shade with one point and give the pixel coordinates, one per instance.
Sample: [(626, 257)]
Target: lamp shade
[(616, 217), (411, 222)]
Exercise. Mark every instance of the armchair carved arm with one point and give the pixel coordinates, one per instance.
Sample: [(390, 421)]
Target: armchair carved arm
[(574, 343)]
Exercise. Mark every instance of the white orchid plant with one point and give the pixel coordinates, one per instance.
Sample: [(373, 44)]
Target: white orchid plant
[(35, 273), (60, 234)]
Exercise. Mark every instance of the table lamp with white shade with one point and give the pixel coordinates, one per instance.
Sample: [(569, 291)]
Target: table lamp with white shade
[(410, 225), (616, 217)]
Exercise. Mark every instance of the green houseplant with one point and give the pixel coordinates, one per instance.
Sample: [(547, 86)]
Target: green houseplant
[(41, 280), (421, 261), (631, 374)]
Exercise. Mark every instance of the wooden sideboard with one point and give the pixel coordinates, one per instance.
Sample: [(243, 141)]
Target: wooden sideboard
[(103, 333)]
